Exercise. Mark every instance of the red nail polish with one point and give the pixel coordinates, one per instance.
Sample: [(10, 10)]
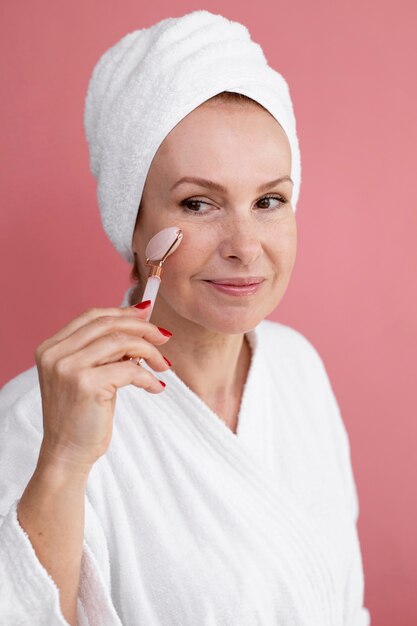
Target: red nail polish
[(164, 331), (166, 360), (142, 305), (162, 383)]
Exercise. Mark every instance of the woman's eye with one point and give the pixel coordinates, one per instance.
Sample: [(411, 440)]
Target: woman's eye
[(281, 200), (192, 206)]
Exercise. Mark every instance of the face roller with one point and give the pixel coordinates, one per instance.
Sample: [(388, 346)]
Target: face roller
[(158, 249)]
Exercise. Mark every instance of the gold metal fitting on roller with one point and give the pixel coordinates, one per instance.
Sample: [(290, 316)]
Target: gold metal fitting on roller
[(156, 270)]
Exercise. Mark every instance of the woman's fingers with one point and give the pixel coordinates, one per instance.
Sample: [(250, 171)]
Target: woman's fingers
[(91, 314), (80, 369), (111, 348), (108, 378), (105, 326)]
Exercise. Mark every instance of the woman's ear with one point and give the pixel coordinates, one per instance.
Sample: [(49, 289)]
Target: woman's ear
[(135, 278)]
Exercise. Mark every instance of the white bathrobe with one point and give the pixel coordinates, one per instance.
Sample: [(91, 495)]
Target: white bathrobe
[(188, 524)]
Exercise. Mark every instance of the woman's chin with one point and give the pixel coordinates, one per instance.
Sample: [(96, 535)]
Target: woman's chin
[(231, 323)]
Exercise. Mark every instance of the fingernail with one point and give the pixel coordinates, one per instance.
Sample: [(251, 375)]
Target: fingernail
[(164, 331), (142, 305), (166, 360), (162, 383)]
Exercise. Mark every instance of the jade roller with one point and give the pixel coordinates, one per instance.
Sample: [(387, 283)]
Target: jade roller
[(157, 251)]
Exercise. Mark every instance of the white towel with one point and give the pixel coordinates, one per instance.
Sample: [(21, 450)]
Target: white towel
[(147, 82)]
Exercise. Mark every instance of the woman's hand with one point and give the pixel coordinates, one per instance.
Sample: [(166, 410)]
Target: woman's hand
[(80, 371)]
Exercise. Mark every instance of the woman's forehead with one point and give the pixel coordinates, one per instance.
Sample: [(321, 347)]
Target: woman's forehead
[(199, 149), (224, 121)]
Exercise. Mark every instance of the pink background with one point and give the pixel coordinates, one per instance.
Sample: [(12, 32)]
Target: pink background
[(352, 73)]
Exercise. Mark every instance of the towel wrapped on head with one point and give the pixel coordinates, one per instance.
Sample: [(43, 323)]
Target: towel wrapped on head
[(145, 84)]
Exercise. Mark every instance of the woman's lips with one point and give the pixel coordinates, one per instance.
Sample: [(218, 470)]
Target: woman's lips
[(236, 290)]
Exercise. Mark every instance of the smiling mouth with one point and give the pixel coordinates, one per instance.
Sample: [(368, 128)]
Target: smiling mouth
[(238, 282), (239, 290)]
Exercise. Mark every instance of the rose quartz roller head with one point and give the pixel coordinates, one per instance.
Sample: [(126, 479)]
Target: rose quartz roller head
[(158, 249)]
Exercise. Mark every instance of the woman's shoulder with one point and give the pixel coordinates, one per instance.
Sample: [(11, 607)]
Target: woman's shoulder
[(282, 340), (20, 409), (13, 390), (20, 401), (20, 434), (288, 353)]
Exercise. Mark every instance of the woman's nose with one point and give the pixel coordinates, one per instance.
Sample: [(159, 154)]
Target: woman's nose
[(241, 241)]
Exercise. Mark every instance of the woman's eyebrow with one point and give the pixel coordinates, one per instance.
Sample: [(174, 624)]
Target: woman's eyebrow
[(210, 184)]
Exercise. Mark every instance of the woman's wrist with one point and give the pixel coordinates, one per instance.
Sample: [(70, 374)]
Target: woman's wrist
[(57, 471), (58, 467)]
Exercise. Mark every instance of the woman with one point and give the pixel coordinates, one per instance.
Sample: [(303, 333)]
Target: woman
[(217, 490)]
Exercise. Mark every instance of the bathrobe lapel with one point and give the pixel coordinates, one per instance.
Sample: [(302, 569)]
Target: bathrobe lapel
[(241, 469), (230, 488)]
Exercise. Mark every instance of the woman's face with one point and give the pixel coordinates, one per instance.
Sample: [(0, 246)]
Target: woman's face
[(232, 233)]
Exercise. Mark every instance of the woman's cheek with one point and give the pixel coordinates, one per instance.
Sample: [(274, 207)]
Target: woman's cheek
[(198, 244), (182, 266), (286, 238)]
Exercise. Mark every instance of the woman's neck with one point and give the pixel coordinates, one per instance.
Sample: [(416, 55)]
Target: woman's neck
[(215, 367), (215, 371)]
